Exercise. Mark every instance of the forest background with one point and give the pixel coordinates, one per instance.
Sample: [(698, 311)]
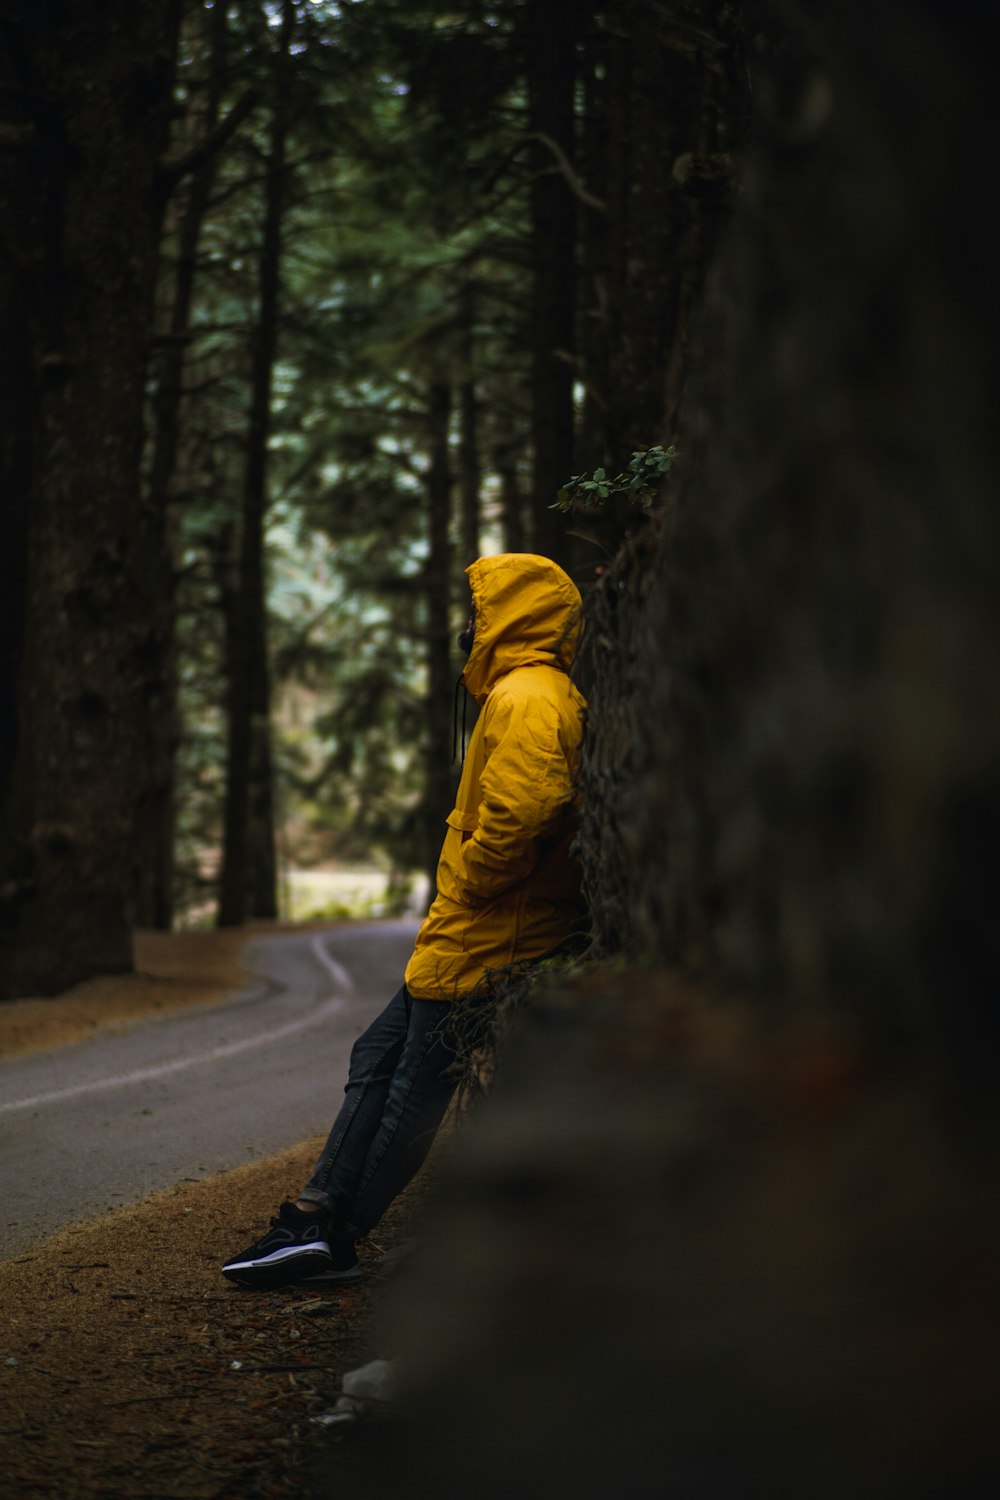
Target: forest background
[(304, 305)]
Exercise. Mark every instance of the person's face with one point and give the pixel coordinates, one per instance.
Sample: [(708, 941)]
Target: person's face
[(468, 635)]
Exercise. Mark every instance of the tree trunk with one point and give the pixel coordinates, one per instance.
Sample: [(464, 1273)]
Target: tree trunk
[(550, 59), (660, 241), (232, 876), (470, 467), (471, 473), (89, 89), (249, 866), (813, 801), (15, 487), (592, 451), (440, 677), (507, 451), (511, 500), (663, 205), (157, 812)]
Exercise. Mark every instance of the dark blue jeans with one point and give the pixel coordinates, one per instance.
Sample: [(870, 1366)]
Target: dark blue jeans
[(396, 1095)]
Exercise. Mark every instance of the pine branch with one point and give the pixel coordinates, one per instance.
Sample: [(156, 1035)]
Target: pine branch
[(573, 181), (179, 167)]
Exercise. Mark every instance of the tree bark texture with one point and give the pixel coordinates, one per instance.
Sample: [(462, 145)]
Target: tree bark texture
[(511, 499), (673, 81), (551, 29), (86, 89), (593, 335), (813, 807), (469, 462), (508, 451), (157, 811), (439, 798), (471, 470), (17, 411), (249, 865)]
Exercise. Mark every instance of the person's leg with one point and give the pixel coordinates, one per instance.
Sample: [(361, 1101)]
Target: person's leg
[(304, 1239), (374, 1059), (418, 1096), (397, 1092)]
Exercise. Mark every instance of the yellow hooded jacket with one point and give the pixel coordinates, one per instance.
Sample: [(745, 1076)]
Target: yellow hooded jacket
[(506, 886)]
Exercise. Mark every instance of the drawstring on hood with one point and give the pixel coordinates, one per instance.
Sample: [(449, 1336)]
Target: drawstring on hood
[(459, 685)]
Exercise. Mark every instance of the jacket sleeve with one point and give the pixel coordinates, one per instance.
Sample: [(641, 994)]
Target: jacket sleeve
[(526, 786)]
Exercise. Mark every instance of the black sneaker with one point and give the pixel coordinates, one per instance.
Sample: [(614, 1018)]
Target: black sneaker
[(297, 1246)]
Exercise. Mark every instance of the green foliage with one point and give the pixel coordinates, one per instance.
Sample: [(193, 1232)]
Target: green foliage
[(403, 264), (636, 489), (609, 508)]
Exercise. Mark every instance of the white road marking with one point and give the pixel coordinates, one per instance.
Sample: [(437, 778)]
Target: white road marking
[(336, 971), (227, 1049)]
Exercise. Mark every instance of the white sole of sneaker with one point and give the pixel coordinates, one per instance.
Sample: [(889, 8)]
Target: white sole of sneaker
[(276, 1270), (277, 1257)]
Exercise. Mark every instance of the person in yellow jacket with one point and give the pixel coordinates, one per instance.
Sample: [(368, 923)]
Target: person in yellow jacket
[(507, 889)]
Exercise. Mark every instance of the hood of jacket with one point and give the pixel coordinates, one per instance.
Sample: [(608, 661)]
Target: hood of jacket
[(528, 612)]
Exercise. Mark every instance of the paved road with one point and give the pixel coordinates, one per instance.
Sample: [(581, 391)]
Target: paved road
[(90, 1127)]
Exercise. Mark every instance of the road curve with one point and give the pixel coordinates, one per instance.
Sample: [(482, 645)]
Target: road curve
[(93, 1126)]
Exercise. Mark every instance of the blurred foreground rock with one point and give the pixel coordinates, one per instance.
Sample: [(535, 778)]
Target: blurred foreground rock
[(676, 1255)]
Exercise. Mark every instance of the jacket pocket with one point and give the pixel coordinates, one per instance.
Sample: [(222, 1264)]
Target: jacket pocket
[(460, 827), (464, 822)]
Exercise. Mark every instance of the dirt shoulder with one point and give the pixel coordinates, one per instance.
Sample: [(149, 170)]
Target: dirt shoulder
[(173, 971), (128, 1367)]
